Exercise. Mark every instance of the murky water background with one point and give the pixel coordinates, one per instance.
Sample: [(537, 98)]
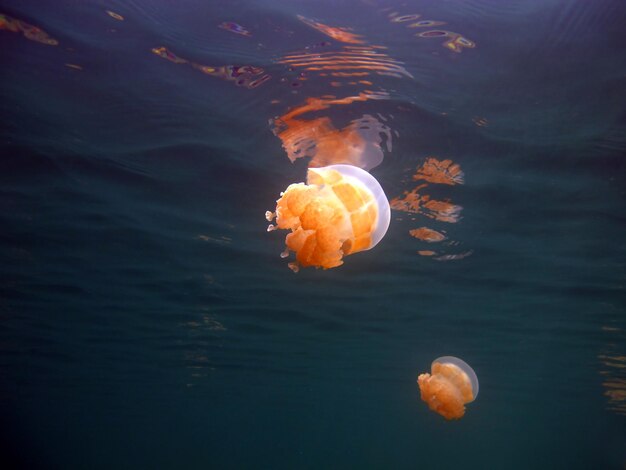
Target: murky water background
[(147, 318)]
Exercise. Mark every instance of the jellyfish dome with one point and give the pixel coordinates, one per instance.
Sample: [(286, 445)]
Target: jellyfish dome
[(451, 384), (341, 210)]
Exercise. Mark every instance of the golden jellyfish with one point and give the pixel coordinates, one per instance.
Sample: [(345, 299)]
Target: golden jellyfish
[(340, 210), (451, 384)]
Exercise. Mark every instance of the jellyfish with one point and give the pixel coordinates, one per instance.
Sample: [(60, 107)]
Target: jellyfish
[(451, 384), (341, 210)]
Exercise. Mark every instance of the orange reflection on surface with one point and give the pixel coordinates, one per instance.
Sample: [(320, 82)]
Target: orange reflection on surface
[(336, 33), (29, 31), (325, 102), (242, 75), (415, 203), (418, 201), (439, 171), (167, 54), (350, 61), (444, 211), (613, 367), (358, 144), (426, 234), (614, 382), (410, 202)]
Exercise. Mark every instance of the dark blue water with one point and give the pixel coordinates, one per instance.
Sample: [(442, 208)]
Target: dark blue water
[(147, 320)]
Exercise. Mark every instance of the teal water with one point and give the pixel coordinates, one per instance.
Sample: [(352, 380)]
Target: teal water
[(147, 319)]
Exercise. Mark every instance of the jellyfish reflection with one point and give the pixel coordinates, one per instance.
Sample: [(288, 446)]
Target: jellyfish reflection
[(28, 30), (451, 384), (336, 33), (358, 144), (340, 211), (242, 75)]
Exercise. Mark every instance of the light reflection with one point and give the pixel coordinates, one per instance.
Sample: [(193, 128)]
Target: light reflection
[(222, 240), (246, 76), (115, 16), (426, 24), (439, 171), (234, 28), (202, 333), (416, 202), (403, 18), (349, 61), (29, 31), (427, 234), (613, 371), (455, 41), (419, 203), (336, 33)]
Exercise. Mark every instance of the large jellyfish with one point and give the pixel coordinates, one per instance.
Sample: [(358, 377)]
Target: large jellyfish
[(340, 210), (451, 384)]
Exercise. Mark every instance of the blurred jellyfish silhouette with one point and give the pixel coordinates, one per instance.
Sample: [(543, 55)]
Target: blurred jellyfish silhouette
[(341, 210), (451, 384)]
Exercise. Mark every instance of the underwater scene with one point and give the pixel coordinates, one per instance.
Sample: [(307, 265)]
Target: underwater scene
[(341, 234)]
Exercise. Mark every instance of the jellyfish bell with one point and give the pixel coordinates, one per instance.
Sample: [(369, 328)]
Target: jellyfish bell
[(451, 384), (341, 210), (465, 367), (367, 187)]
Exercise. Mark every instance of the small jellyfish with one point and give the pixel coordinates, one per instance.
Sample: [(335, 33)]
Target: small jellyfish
[(341, 210), (451, 384)]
